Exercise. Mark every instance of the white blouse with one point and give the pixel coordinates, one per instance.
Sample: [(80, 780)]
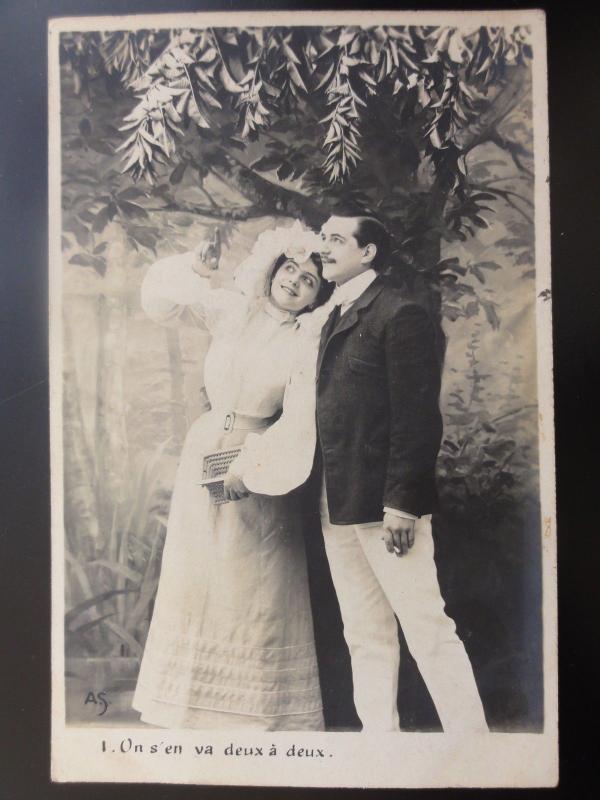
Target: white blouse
[(258, 354)]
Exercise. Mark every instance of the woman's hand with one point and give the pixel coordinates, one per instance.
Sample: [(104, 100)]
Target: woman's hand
[(207, 255), (233, 487)]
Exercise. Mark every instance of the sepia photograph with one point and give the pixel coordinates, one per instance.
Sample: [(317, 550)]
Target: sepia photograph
[(301, 400)]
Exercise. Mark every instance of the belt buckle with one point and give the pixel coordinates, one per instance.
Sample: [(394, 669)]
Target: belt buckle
[(229, 422)]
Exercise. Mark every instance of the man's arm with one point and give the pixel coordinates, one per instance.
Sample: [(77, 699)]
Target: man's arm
[(415, 422), (413, 373)]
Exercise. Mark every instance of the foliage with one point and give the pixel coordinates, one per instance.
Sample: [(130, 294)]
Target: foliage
[(113, 591), (488, 435), (487, 534), (263, 73), (298, 121), (95, 193)]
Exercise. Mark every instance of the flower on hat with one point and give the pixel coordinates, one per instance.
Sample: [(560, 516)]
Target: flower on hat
[(251, 276)]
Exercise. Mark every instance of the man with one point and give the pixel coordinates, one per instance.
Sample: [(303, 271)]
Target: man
[(379, 430)]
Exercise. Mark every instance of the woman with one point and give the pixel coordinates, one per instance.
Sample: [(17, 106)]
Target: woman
[(231, 640)]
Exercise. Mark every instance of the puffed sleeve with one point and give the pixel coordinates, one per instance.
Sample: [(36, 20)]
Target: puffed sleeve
[(172, 293), (280, 459)]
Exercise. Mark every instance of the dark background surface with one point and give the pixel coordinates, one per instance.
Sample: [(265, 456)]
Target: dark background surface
[(24, 471)]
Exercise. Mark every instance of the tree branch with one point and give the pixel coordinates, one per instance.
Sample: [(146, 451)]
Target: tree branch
[(217, 212), (507, 178), (208, 197), (502, 105), (514, 149), (275, 199)]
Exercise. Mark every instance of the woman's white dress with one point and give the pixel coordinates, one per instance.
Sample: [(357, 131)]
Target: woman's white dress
[(231, 639)]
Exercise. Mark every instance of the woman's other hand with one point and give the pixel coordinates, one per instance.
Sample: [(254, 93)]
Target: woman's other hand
[(207, 255), (233, 487)]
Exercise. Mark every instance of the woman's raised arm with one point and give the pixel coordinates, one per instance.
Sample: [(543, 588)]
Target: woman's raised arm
[(174, 293)]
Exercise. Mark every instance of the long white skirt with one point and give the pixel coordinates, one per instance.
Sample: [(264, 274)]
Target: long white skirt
[(231, 639)]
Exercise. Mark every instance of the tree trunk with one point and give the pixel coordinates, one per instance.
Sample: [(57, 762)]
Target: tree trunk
[(81, 510), (432, 255), (516, 88), (110, 435)]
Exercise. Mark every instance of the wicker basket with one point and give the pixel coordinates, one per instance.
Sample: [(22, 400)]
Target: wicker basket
[(214, 468)]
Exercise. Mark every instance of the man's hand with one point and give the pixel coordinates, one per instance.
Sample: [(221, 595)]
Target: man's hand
[(233, 487), (398, 534)]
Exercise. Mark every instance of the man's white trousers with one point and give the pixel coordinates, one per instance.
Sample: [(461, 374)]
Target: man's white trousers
[(374, 587)]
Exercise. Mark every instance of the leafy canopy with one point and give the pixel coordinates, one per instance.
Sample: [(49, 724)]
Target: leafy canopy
[(300, 120), (260, 75)]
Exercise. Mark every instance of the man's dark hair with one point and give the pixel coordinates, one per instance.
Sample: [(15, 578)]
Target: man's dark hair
[(369, 230)]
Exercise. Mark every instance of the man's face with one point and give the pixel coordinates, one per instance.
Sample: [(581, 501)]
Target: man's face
[(342, 257)]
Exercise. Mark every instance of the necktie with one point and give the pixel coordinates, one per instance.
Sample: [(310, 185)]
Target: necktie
[(328, 327), (333, 318)]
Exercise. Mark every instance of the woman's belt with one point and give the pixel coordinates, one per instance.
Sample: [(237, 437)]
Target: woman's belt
[(232, 421)]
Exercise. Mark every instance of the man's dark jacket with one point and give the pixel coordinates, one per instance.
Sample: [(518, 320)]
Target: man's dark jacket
[(378, 419)]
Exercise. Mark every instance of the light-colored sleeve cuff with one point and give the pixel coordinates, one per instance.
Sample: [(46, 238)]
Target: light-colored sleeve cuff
[(397, 513)]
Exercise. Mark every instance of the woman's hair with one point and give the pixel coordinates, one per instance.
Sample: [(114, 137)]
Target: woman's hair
[(325, 289)]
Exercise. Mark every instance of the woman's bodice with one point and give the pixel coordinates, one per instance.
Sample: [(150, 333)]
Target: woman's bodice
[(248, 362), (250, 357)]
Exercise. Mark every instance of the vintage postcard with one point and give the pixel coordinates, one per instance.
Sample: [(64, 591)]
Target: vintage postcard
[(302, 444)]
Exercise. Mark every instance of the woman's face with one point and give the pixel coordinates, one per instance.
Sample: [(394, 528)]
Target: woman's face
[(295, 285)]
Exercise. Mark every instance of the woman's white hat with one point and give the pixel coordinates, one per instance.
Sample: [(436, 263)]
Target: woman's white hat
[(294, 241)]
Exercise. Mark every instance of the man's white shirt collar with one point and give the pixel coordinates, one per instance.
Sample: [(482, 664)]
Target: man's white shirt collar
[(345, 294)]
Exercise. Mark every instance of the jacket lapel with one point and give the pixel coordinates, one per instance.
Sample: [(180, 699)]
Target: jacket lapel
[(338, 324), (326, 332)]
